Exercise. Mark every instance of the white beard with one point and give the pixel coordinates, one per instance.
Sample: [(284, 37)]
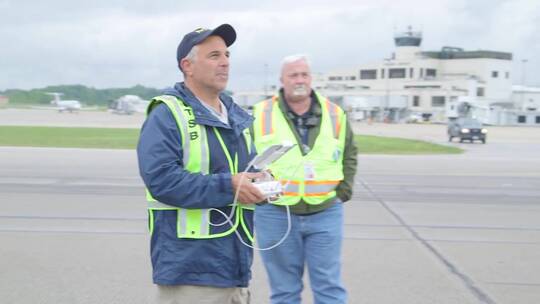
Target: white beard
[(300, 90)]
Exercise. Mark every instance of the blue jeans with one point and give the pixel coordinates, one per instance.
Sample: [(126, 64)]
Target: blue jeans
[(314, 240)]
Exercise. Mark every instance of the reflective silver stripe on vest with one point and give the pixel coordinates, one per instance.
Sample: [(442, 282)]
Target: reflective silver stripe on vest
[(267, 117), (205, 166), (182, 220), (205, 218), (291, 188), (185, 146), (332, 109), (319, 188)]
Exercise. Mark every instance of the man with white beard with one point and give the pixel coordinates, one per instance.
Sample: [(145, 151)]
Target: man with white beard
[(318, 176)]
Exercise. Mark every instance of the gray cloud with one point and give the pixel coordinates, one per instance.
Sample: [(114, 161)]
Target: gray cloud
[(123, 43)]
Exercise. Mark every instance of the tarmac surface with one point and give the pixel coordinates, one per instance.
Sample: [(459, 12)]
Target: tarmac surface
[(419, 229)]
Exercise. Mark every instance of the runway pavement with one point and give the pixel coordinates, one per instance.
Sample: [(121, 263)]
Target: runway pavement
[(51, 117), (419, 229)]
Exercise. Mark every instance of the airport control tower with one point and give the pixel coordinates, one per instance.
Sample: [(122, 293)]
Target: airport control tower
[(407, 44)]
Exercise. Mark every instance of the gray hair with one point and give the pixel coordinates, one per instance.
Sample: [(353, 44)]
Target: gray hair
[(191, 56), (294, 58)]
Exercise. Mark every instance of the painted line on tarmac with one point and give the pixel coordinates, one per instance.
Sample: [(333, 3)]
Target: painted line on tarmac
[(99, 218), (476, 291), (450, 227), (483, 241), (64, 182), (443, 240), (396, 199), (117, 232), (88, 218), (514, 284)]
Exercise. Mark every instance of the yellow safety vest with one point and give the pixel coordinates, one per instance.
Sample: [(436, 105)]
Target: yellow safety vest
[(312, 177), (195, 223)]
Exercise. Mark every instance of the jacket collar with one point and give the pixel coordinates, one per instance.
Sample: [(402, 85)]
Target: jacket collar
[(238, 118)]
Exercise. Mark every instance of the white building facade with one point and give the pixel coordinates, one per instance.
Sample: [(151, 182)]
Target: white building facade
[(527, 103), (429, 84)]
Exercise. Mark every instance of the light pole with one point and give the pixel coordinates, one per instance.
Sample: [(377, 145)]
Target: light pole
[(387, 64), (523, 62)]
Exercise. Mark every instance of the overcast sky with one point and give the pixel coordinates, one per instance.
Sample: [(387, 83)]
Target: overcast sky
[(114, 43)]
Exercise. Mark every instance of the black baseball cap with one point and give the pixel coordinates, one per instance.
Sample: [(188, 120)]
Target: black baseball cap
[(225, 31)]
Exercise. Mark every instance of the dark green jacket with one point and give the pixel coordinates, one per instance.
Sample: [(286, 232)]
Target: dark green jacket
[(345, 187)]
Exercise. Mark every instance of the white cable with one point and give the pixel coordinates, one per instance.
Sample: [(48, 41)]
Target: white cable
[(257, 248), (228, 219), (235, 200)]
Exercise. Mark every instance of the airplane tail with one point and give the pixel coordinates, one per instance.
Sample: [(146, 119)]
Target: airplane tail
[(56, 98)]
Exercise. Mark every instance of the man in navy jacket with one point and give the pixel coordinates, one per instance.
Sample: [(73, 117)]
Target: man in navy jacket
[(212, 267)]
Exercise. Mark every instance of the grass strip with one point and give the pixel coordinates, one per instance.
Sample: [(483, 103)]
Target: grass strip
[(117, 138)]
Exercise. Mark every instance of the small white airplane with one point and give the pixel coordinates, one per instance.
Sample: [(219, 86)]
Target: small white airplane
[(71, 106)]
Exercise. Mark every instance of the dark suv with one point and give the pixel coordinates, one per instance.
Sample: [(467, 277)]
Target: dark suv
[(466, 129)]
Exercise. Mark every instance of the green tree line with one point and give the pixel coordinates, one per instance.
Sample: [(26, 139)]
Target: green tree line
[(86, 95)]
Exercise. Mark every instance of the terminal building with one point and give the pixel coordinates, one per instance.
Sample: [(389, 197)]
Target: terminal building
[(426, 83), (429, 85)]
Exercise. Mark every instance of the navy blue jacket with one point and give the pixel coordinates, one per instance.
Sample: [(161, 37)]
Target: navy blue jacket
[(219, 262)]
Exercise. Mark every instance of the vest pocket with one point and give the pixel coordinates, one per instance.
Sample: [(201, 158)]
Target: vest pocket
[(196, 223), (192, 223)]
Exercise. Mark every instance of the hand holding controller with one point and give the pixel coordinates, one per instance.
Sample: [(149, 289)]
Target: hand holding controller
[(268, 186)]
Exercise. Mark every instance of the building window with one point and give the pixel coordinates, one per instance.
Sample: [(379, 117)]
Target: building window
[(382, 73), (480, 92), (416, 101), (538, 119), (421, 72), (368, 74), (522, 119), (437, 101), (431, 73), (396, 73), (422, 87), (507, 75), (494, 74), (332, 78)]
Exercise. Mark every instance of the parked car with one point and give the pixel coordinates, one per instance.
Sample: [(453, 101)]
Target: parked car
[(467, 129), (414, 118)]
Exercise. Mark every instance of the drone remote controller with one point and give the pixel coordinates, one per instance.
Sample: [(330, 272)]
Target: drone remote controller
[(269, 188), (271, 154)]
